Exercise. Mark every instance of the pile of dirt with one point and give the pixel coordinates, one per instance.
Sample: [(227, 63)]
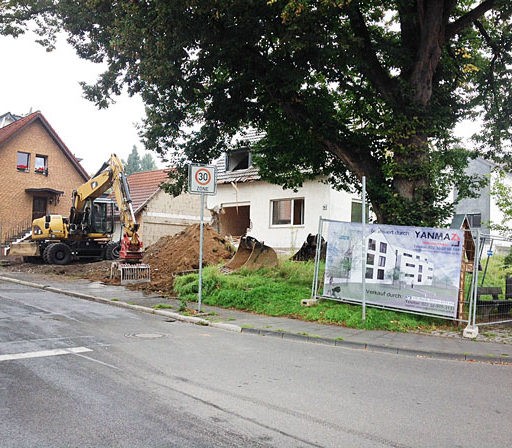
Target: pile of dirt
[(169, 256), (179, 253)]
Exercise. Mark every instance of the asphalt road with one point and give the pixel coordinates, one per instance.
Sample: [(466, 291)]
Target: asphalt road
[(80, 374)]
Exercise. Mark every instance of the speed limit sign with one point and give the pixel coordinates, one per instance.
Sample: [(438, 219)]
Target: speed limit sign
[(202, 179)]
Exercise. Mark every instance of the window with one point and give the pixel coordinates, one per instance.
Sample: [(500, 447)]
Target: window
[(474, 219), (356, 212), (407, 255), (420, 268), (23, 161), (238, 160), (383, 248), (287, 212), (371, 244), (380, 274), (420, 278), (382, 261), (370, 259), (41, 165), (410, 265), (369, 273)]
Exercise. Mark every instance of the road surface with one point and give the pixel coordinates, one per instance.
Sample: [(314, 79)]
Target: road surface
[(78, 373)]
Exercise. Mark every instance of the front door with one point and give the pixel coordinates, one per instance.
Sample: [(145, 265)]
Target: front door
[(39, 207)]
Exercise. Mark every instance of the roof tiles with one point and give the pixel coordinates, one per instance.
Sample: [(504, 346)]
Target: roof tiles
[(144, 185)]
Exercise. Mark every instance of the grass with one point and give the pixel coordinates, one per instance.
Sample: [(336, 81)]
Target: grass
[(162, 306), (279, 291)]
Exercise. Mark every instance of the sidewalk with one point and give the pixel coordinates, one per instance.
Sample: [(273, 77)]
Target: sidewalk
[(452, 346)]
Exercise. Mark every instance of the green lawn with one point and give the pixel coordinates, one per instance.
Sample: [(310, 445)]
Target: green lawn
[(279, 291)]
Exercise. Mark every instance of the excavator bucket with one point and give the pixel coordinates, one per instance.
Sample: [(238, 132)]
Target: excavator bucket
[(130, 273), (251, 254), (309, 248)]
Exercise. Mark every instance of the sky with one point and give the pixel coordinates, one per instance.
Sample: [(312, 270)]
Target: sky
[(32, 79)]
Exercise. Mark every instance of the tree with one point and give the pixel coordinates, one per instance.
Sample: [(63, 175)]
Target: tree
[(341, 88), (133, 165), (501, 192), (147, 163)]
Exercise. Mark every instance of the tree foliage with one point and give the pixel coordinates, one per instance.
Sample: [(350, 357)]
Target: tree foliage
[(147, 163), (341, 88), (135, 164), (501, 191), (132, 164)]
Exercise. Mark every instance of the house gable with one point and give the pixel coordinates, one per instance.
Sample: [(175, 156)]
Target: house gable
[(39, 173), (13, 129)]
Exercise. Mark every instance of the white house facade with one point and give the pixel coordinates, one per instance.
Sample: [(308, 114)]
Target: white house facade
[(246, 205)]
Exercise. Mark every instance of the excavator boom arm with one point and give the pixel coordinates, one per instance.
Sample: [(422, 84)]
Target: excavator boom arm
[(111, 175)]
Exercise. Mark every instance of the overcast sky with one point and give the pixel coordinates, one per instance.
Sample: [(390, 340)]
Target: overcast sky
[(33, 79)]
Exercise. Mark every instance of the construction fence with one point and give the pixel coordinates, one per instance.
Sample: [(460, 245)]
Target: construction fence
[(425, 271)]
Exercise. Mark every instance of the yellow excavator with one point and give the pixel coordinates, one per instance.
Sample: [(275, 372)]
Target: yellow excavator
[(87, 233)]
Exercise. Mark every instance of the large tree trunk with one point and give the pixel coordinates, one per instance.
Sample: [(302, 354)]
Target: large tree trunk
[(410, 197)]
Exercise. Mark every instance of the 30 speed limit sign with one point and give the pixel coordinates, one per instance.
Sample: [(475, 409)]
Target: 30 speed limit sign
[(202, 179)]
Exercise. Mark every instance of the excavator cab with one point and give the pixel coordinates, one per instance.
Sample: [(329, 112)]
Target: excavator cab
[(99, 217)]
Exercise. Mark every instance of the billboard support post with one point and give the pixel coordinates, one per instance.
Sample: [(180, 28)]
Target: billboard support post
[(363, 245)]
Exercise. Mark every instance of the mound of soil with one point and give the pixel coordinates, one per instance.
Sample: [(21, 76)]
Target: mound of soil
[(169, 256), (179, 253)]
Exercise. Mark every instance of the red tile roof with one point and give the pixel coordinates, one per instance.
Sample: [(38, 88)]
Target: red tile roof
[(9, 131), (144, 185)]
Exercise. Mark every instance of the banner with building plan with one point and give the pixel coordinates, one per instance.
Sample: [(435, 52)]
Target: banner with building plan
[(410, 268)]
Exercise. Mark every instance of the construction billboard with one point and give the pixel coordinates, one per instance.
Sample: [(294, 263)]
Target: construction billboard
[(409, 268)]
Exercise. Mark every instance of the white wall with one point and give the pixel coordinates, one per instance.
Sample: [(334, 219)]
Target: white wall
[(480, 204), (319, 200)]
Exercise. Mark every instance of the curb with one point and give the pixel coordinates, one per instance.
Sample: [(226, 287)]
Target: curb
[(376, 348), (354, 345)]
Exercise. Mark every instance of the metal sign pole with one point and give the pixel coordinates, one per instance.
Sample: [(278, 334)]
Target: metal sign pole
[(202, 179), (363, 261), (201, 232)]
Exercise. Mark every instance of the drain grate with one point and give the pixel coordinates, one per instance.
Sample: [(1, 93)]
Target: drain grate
[(145, 335)]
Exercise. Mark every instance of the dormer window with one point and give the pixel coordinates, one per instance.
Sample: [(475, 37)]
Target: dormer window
[(238, 160), (22, 161)]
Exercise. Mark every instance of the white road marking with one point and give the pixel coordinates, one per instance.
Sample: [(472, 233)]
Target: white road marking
[(45, 353), (99, 362)]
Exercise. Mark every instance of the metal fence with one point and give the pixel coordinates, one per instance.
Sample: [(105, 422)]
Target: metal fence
[(488, 289)]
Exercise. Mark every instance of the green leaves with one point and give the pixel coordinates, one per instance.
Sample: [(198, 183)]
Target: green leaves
[(341, 89)]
